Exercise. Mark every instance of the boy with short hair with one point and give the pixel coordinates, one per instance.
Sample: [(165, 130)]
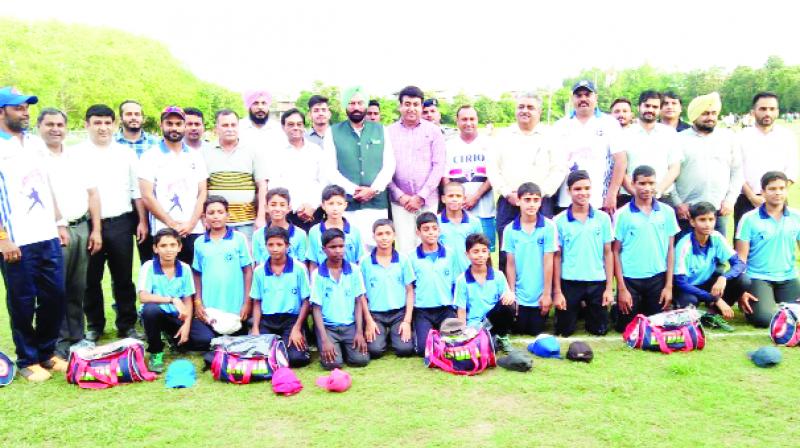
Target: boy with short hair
[(165, 290), (643, 251), (280, 294), (698, 258), (337, 297), (529, 243), (455, 224), (436, 270), (766, 240), (223, 271), (389, 282), (583, 268), (278, 207), (334, 203)]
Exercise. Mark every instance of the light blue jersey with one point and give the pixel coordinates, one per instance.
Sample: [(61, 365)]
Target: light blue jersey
[(478, 299), (454, 236), (436, 274), (220, 264), (353, 248), (699, 263), (337, 298), (153, 280), (644, 238), (386, 286), (772, 243), (582, 245), (528, 250), (298, 244), (284, 293)]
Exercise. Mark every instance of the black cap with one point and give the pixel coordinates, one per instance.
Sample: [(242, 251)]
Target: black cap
[(580, 351), (517, 361)]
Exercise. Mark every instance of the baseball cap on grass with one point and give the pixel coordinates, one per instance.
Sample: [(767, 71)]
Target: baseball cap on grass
[(766, 357), (337, 381), (285, 382), (181, 374), (580, 351), (545, 346), (517, 361), (7, 370), (10, 96)]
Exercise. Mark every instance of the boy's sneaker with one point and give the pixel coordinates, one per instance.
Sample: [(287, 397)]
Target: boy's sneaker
[(504, 344), (156, 363), (716, 321)]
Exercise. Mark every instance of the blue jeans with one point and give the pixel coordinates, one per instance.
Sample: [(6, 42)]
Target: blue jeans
[(35, 289), (489, 229)]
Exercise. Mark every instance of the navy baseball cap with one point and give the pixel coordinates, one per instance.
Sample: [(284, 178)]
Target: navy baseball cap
[(181, 374), (7, 370), (10, 96), (545, 346), (584, 84), (765, 357)]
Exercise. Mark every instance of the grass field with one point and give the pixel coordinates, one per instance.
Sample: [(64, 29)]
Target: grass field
[(714, 397)]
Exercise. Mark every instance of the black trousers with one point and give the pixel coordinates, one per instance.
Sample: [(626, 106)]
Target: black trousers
[(742, 206), (425, 319), (578, 293), (645, 293), (117, 252), (529, 320)]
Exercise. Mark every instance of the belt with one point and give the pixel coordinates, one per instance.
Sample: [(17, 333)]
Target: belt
[(79, 221), (114, 218)]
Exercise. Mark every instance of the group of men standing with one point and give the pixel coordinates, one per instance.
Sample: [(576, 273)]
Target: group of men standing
[(67, 213)]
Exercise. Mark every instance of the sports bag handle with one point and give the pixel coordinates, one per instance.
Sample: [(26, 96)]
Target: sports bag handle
[(105, 381)]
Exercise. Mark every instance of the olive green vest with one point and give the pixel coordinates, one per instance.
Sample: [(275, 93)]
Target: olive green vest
[(360, 159)]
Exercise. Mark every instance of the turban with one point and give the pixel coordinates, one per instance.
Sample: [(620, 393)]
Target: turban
[(702, 104), (349, 93), (251, 96)]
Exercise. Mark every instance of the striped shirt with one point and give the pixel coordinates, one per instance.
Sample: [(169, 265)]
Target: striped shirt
[(233, 175)]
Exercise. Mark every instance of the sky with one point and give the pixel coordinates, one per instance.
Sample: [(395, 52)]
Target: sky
[(478, 47)]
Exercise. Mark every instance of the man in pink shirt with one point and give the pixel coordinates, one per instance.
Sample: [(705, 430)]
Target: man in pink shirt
[(420, 154)]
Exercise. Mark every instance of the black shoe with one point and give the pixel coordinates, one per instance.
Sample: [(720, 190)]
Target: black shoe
[(93, 336), (130, 333)]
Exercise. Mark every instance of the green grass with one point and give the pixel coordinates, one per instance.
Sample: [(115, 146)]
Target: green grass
[(714, 397)]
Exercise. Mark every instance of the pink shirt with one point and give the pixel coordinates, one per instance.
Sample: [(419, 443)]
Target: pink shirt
[(420, 155)]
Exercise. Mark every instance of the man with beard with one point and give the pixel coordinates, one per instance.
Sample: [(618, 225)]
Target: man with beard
[(238, 173), (320, 119), (195, 128), (132, 134), (258, 130), (374, 111), (711, 169), (31, 262), (75, 191), (621, 110), (671, 108), (419, 150), (172, 179), (589, 141), (765, 147), (652, 144), (519, 154), (364, 164), (118, 187)]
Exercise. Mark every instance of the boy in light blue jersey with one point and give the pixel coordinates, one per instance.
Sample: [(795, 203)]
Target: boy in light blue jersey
[(280, 297), (455, 224), (583, 268), (337, 299), (482, 293), (278, 208), (436, 270), (643, 251), (389, 282), (165, 291), (223, 271), (334, 203), (529, 243), (767, 240), (699, 257)]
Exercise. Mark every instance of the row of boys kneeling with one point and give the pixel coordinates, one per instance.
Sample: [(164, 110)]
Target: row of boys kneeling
[(363, 303)]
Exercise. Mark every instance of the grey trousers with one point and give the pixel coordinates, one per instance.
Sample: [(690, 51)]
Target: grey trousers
[(76, 259), (388, 323), (342, 339)]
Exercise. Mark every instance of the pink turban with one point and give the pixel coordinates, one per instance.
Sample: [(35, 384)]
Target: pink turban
[(251, 96)]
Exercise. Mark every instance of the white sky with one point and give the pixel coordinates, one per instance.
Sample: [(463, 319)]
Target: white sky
[(487, 46)]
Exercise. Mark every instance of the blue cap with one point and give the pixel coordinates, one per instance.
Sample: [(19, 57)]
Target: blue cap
[(7, 370), (10, 96), (545, 346), (181, 374), (584, 84), (766, 356)]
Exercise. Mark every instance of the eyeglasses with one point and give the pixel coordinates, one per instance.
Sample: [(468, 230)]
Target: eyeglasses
[(430, 102)]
